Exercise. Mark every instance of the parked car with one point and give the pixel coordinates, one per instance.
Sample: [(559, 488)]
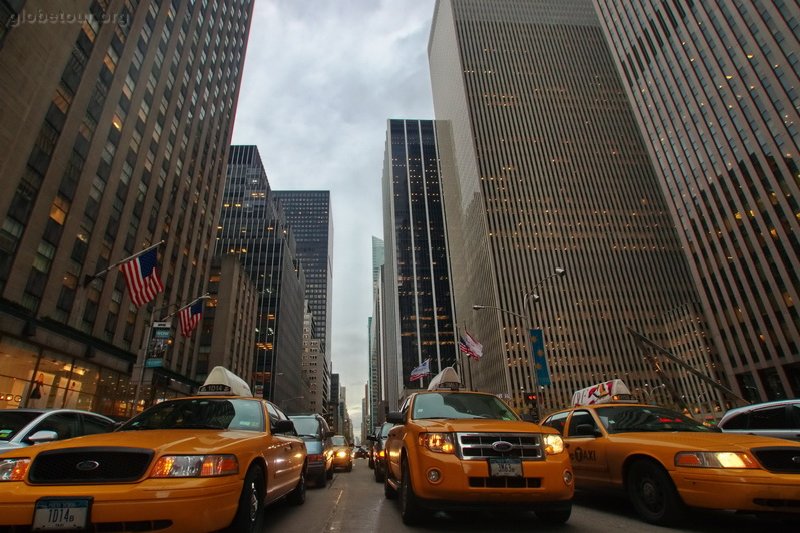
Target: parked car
[(378, 443), (342, 453), (666, 461), (314, 430), (23, 427), (780, 419), (198, 463)]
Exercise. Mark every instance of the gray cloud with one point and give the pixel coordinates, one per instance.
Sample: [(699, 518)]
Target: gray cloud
[(320, 80)]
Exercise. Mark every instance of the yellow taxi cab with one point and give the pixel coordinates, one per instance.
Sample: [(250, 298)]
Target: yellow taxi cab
[(342, 453), (453, 449), (194, 464), (666, 461)]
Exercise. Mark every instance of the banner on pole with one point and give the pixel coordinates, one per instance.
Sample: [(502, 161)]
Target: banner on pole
[(539, 357)]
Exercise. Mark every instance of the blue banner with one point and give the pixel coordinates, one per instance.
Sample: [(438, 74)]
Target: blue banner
[(539, 358)]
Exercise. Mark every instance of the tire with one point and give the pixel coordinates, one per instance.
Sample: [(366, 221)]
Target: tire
[(653, 494), (322, 479), (298, 494), (249, 516), (410, 509), (388, 490), (350, 466), (329, 473), (555, 516), (379, 475)]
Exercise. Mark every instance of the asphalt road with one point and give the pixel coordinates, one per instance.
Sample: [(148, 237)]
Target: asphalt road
[(353, 503)]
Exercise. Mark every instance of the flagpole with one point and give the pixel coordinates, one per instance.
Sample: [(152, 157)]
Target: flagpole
[(88, 279), (206, 296)]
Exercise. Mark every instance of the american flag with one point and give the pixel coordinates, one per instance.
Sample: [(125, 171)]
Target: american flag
[(470, 346), (141, 277), (421, 371), (190, 316)]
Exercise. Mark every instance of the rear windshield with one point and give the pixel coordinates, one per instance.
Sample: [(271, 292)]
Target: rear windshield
[(385, 429), (11, 422), (339, 440), (306, 426)]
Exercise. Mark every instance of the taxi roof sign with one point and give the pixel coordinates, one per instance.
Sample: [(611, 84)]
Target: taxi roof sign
[(448, 379), (221, 381), (605, 392)]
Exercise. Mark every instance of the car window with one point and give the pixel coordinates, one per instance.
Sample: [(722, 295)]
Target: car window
[(580, 418), (200, 413), (455, 405), (306, 426), (385, 430), (12, 421), (339, 440), (637, 418), (66, 425), (736, 422), (557, 421), (95, 424), (795, 410), (769, 418)]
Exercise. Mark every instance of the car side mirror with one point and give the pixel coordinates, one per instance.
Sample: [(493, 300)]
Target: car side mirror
[(587, 430), (283, 426), (43, 436), (395, 417)]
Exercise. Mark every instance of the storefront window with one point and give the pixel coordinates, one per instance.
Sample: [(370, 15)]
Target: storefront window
[(17, 361)]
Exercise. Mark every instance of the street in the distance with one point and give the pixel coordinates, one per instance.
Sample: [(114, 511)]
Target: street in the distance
[(354, 503)]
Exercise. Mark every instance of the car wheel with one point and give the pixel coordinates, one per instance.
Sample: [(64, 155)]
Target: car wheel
[(350, 466), (329, 473), (388, 489), (298, 495), (322, 479), (250, 513), (653, 494), (378, 473), (554, 516), (410, 508)]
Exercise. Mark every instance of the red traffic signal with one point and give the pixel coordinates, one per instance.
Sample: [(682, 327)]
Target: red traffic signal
[(531, 397)]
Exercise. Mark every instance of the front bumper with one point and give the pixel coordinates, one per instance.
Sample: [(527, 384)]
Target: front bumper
[(188, 505), (468, 482), (739, 490)]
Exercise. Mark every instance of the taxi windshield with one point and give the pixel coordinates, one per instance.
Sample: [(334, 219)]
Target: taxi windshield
[(460, 405), (636, 418), (200, 413)]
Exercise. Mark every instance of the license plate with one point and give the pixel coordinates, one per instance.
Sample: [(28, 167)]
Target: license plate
[(505, 467), (53, 514)]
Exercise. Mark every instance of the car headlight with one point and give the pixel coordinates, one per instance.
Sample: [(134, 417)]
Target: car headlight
[(438, 442), (715, 460), (195, 466), (553, 444), (14, 469)]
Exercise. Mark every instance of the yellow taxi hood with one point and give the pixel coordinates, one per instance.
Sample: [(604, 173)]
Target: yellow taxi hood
[(479, 425), (188, 441), (685, 440)]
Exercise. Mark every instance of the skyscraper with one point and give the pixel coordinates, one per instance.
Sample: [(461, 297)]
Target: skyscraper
[(375, 331), (544, 167), (116, 121), (715, 89), (418, 305), (253, 227), (309, 215)]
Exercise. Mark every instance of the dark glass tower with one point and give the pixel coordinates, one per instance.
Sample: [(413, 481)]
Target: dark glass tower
[(308, 213), (114, 131), (419, 308), (254, 228)]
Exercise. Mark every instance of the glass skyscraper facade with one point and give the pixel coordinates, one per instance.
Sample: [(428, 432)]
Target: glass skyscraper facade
[(715, 88), (114, 130), (548, 169), (419, 319)]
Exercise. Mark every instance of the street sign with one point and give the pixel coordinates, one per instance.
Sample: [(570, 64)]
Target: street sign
[(154, 362)]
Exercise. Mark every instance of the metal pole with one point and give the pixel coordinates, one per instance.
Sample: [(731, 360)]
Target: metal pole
[(529, 347), (140, 360)]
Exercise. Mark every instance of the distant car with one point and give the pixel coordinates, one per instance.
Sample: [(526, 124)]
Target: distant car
[(378, 443), (23, 427), (342, 453), (780, 419), (314, 430), (199, 463), (360, 453)]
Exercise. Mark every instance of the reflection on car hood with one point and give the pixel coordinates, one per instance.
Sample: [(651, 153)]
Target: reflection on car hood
[(684, 440), (478, 425), (162, 440)]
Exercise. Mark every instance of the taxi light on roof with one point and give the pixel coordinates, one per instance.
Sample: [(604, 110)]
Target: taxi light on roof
[(223, 382)]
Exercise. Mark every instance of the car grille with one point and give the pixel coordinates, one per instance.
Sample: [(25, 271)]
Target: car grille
[(480, 445), (779, 459), (505, 482), (89, 465)]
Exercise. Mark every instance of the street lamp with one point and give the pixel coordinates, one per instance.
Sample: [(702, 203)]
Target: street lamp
[(527, 298)]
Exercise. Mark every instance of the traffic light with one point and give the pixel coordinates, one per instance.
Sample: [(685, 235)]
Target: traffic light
[(531, 398)]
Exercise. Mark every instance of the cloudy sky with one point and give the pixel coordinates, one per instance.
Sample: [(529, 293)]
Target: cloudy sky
[(320, 80)]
